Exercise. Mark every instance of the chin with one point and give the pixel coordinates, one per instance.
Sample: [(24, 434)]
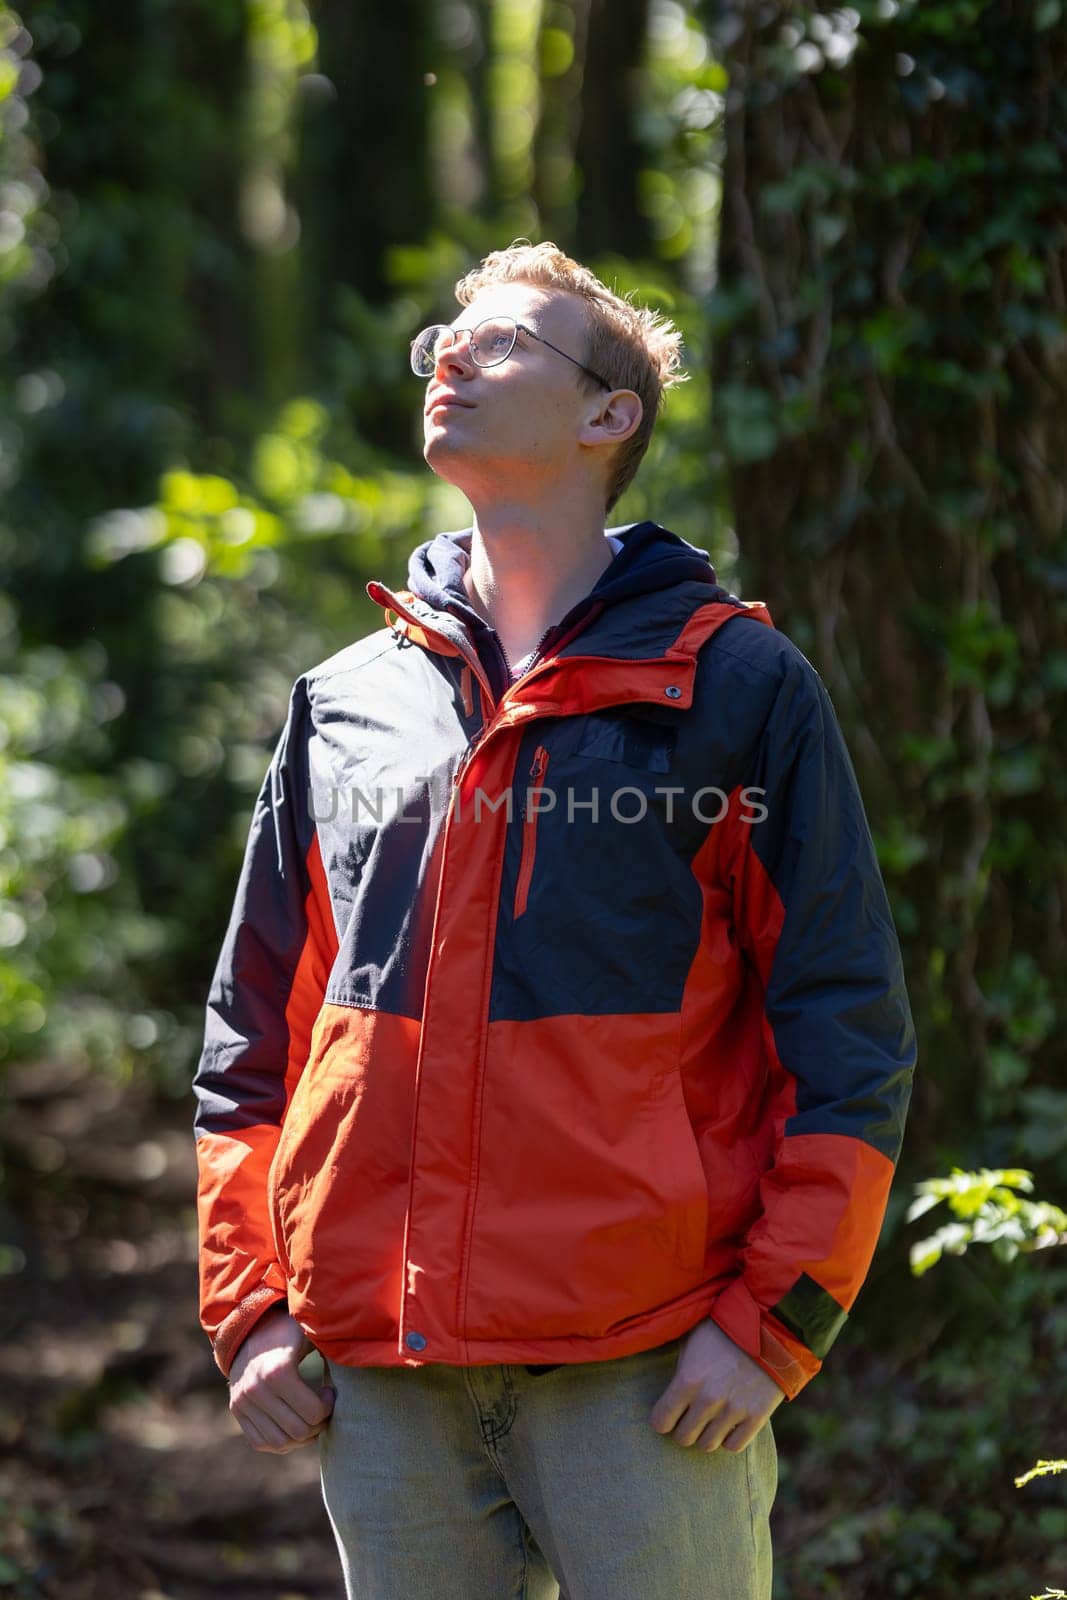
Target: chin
[(444, 458)]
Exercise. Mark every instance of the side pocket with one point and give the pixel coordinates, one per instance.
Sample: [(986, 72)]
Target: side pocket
[(688, 1179)]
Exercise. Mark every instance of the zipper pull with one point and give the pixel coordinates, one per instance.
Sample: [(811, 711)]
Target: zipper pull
[(540, 758), (468, 755)]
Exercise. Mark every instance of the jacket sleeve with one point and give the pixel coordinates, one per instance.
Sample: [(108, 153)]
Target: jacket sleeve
[(266, 992), (812, 916)]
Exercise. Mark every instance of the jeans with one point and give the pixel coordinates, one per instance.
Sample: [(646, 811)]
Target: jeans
[(498, 1483)]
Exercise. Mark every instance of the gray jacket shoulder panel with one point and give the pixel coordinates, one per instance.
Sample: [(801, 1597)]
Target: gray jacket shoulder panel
[(351, 657)]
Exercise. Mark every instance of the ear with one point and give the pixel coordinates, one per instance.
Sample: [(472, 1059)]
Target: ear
[(614, 418)]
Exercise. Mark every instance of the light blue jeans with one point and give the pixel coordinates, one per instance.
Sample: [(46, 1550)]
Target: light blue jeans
[(495, 1483)]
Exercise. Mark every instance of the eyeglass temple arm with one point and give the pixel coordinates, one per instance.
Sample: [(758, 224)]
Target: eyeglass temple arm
[(542, 340)]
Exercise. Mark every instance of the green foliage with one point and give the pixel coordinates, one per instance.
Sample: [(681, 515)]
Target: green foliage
[(987, 1211), (209, 440), (895, 1463), (680, 123), (1040, 1470), (993, 1214)]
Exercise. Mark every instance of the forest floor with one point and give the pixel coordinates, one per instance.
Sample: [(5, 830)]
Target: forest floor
[(122, 1474)]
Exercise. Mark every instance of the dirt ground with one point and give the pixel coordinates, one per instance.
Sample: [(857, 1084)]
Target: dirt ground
[(122, 1474)]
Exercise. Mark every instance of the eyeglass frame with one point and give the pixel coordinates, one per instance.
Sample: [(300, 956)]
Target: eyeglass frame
[(520, 327)]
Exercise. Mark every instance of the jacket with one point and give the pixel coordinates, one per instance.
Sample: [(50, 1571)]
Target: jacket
[(554, 1016)]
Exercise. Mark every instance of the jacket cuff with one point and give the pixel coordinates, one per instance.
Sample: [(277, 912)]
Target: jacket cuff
[(788, 1362), (240, 1322)]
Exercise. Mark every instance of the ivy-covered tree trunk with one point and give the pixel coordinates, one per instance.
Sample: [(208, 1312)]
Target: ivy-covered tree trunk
[(890, 379)]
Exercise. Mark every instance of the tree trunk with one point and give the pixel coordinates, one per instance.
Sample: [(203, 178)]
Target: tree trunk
[(890, 380), (608, 146), (365, 185)]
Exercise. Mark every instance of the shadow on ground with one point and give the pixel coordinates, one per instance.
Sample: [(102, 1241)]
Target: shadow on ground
[(122, 1473)]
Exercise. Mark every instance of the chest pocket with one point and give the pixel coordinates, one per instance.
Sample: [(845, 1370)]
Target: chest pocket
[(630, 740)]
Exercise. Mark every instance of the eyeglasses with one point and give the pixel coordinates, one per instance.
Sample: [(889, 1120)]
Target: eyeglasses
[(490, 343)]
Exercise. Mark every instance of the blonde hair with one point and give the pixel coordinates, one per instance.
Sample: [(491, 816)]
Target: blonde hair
[(630, 346)]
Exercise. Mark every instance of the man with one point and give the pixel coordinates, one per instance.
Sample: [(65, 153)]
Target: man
[(558, 1051)]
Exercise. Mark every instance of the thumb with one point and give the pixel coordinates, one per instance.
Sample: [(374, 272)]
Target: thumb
[(328, 1394)]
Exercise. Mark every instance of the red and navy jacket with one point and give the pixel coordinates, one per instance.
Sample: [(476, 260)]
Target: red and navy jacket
[(554, 1015)]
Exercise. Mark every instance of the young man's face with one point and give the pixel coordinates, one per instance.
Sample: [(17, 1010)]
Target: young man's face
[(527, 418)]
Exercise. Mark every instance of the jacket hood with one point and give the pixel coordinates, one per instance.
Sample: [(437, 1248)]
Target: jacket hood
[(651, 558)]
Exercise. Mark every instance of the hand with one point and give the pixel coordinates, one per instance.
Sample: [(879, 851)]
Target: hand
[(720, 1394), (277, 1410)]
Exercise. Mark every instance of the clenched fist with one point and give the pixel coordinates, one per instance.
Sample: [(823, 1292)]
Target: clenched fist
[(276, 1409)]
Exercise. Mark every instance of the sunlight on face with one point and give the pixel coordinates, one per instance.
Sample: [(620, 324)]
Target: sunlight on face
[(520, 418)]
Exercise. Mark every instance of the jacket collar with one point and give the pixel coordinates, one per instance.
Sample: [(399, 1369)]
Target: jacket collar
[(434, 611), (651, 558)]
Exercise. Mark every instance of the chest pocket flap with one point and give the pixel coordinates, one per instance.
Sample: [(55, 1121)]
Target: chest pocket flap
[(631, 740)]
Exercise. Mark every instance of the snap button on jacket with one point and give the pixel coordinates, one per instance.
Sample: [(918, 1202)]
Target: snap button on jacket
[(554, 1016)]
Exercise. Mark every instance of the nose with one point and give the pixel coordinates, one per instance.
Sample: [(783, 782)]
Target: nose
[(451, 357)]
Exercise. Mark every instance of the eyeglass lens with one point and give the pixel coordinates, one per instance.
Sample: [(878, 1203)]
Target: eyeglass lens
[(490, 342)]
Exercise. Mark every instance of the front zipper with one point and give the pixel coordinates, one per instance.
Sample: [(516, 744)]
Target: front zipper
[(533, 659), (538, 769)]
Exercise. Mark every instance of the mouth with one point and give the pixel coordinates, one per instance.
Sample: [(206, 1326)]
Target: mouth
[(447, 402)]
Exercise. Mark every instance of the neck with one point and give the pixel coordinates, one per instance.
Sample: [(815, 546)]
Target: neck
[(528, 568)]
